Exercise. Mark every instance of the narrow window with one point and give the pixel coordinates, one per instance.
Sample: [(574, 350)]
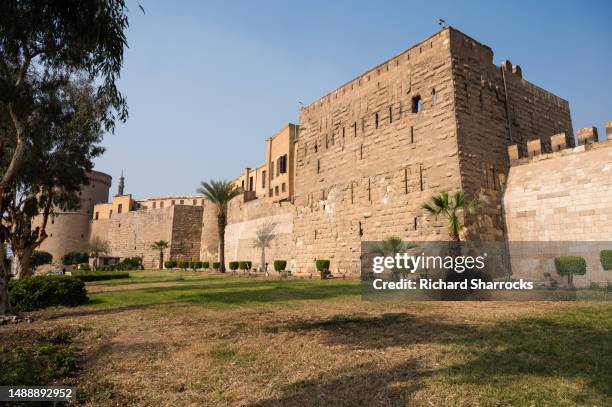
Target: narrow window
[(369, 190), (251, 185), (326, 142), (352, 194), (315, 234), (110, 214), (415, 223), (161, 204), (343, 132), (376, 120), (355, 128), (360, 229), (270, 192), (390, 114), (173, 202), (97, 215), (241, 184), (283, 164), (276, 190), (120, 208), (434, 97), (154, 205), (421, 176), (263, 179), (411, 135), (318, 165), (316, 148), (417, 104), (182, 201), (283, 187), (405, 180), (361, 152), (323, 194)]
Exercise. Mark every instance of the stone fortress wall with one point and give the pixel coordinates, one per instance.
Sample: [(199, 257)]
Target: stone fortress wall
[(69, 231), (364, 158)]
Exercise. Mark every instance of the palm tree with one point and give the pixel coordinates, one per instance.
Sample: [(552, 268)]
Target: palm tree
[(160, 245), (443, 205), (96, 247), (263, 237), (220, 193), (389, 248)]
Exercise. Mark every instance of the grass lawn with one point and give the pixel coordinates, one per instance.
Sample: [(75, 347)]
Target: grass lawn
[(168, 338)]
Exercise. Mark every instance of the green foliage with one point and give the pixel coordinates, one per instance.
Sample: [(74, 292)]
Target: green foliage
[(99, 275), (39, 258), (570, 265), (170, 264), (219, 193), (322, 264), (233, 265), (183, 264), (216, 265), (205, 264), (245, 265), (448, 206), (196, 265), (280, 265), (605, 256), (160, 245), (33, 293), (130, 263), (71, 258)]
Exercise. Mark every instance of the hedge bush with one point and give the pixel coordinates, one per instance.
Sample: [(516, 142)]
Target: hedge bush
[(183, 264), (170, 264), (196, 265), (205, 265), (606, 259), (130, 263), (245, 265), (322, 266), (570, 266), (280, 265), (33, 293), (75, 258), (99, 275), (40, 257), (216, 265), (233, 265)]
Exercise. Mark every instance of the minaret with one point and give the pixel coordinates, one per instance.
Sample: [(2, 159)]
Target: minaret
[(121, 185)]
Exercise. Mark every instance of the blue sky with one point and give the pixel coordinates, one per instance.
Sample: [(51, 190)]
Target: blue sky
[(208, 82)]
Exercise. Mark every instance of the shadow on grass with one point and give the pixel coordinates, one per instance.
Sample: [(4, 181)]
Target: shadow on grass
[(573, 345), (362, 385)]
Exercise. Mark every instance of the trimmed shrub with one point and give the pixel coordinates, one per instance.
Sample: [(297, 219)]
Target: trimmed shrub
[(216, 265), (99, 275), (39, 292), (245, 265), (606, 259), (322, 266), (183, 264), (280, 265), (71, 258), (233, 265), (170, 264), (205, 265), (130, 263), (570, 266), (197, 265), (39, 258)]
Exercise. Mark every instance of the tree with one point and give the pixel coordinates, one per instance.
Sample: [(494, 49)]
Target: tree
[(449, 207), (160, 245), (220, 193), (46, 46), (39, 258), (96, 247), (389, 248), (263, 237)]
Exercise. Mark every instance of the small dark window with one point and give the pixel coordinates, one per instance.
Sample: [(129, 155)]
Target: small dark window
[(172, 202), (376, 120), (251, 183), (417, 104), (270, 192), (120, 208), (276, 190), (282, 164), (97, 215), (182, 201), (355, 128), (390, 114), (318, 166), (263, 179), (434, 97), (411, 134), (161, 204), (242, 185)]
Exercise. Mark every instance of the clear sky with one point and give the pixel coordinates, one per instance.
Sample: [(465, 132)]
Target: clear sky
[(207, 82)]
